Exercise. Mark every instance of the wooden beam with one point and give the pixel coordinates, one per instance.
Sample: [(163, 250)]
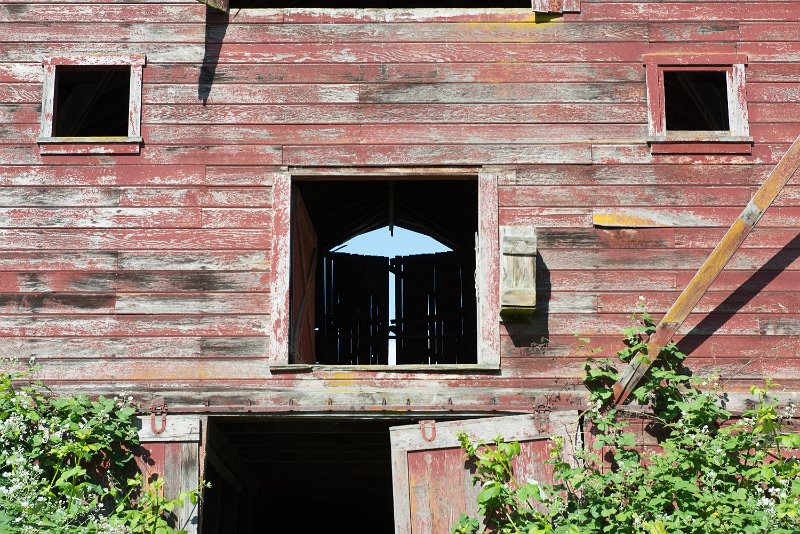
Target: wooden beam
[(674, 318)]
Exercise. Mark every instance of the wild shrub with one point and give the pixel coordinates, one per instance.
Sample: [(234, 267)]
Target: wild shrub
[(712, 472), (67, 465)]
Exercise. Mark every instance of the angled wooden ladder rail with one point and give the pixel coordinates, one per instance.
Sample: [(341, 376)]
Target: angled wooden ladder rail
[(708, 272)]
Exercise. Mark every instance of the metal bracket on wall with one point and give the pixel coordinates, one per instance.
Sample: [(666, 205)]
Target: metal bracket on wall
[(428, 424), (541, 417), (158, 409)]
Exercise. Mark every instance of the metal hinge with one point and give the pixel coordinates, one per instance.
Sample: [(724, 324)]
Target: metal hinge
[(541, 417), (158, 409)]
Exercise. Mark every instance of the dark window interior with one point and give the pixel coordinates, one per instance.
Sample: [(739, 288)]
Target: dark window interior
[(696, 100), (381, 4), (91, 101), (340, 301), (300, 475)]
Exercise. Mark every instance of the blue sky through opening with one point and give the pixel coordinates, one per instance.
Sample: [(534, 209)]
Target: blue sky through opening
[(380, 243), (403, 243)]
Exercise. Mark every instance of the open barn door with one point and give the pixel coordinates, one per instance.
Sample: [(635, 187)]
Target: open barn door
[(354, 317), (434, 309), (432, 486), (170, 451), (303, 288)]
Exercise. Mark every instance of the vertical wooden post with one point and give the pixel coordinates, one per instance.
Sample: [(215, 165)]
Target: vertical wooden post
[(488, 276), (281, 267)]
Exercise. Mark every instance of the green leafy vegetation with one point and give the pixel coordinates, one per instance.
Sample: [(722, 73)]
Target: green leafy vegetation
[(67, 465), (711, 471)]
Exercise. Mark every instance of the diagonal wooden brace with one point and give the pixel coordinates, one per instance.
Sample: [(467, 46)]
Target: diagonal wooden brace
[(709, 271)]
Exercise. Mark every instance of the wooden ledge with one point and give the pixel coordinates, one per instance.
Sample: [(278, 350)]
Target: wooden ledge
[(89, 145), (701, 143), (440, 368)]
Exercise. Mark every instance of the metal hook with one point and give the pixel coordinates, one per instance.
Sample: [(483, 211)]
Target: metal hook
[(432, 425), (158, 410)]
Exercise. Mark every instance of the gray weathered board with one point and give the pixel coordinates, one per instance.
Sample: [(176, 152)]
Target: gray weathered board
[(174, 457)]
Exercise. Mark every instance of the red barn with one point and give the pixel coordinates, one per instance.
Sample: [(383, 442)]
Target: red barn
[(176, 179)]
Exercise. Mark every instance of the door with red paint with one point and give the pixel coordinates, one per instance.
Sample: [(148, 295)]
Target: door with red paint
[(432, 484), (170, 452)]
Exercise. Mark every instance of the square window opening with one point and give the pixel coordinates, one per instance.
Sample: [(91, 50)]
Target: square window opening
[(697, 103), (696, 100), (381, 308), (91, 104), (91, 101)]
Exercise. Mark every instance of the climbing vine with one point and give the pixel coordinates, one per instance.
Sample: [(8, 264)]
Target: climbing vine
[(67, 465), (711, 472)]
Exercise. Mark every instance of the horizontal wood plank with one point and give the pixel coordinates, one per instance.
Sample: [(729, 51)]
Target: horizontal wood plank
[(341, 52), (133, 325), (434, 113), (266, 155), (388, 72), (173, 260), (435, 154), (126, 303), (154, 270), (104, 348), (244, 33), (386, 93), (65, 282)]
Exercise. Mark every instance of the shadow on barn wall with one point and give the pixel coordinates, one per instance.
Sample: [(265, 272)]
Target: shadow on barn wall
[(216, 27), (741, 296), (534, 334)]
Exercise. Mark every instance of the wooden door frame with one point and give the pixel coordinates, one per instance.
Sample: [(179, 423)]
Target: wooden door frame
[(487, 258)]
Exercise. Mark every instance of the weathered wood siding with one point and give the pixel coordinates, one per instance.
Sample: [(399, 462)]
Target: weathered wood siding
[(150, 272)]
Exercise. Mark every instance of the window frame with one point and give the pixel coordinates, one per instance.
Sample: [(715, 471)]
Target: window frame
[(662, 141), (487, 264), (130, 144), (538, 6)]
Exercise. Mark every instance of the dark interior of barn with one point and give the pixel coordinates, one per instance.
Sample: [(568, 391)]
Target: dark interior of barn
[(378, 4), (299, 474), (91, 101), (340, 301), (696, 100)]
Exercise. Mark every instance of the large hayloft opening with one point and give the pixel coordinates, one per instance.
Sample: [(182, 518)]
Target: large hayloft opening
[(300, 474), (372, 309)]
